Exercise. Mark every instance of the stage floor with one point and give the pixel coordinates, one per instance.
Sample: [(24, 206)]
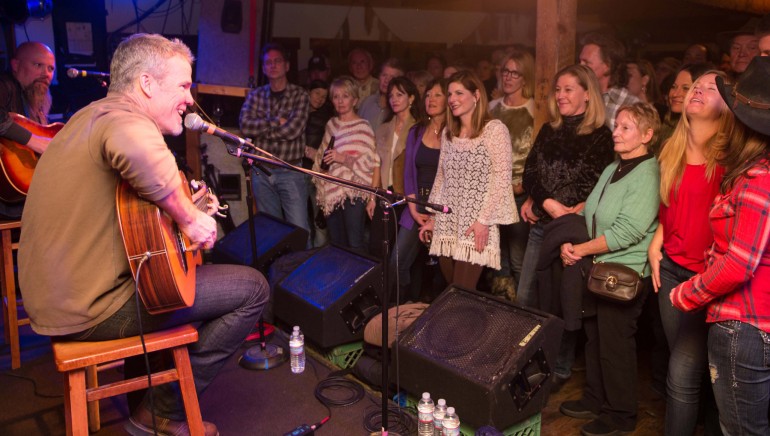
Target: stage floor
[(250, 402)]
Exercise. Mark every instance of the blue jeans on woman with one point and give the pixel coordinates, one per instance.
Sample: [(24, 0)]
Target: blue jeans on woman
[(346, 224), (513, 244), (739, 360), (526, 294), (687, 336), (228, 302), (407, 248)]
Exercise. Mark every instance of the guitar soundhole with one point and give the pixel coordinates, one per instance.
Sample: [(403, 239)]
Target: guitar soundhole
[(181, 249)]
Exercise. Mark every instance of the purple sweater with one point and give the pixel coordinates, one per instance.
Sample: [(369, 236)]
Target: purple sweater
[(410, 170)]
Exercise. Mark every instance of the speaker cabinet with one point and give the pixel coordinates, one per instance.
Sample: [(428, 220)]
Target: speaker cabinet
[(331, 295), (489, 358), (275, 237)]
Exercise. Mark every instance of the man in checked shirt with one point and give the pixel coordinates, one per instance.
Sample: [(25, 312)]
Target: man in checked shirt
[(274, 116)]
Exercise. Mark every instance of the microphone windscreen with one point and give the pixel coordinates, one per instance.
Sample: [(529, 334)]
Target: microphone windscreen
[(72, 73), (193, 121)]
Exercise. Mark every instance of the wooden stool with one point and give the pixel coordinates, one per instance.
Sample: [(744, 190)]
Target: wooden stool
[(76, 358), (11, 320)]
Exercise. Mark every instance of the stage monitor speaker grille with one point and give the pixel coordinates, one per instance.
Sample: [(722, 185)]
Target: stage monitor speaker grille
[(275, 237), (331, 295), (489, 358)]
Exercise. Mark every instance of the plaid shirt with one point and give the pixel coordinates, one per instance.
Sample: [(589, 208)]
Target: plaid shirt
[(260, 116), (736, 282), (614, 99)]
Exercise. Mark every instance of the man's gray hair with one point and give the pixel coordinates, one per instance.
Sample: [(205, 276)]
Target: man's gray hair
[(143, 52)]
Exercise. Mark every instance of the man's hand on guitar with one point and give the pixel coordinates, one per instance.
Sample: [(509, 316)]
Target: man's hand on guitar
[(202, 231), (212, 202), (38, 144)]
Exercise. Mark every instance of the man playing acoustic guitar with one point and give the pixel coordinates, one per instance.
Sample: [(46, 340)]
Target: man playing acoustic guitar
[(75, 277), (25, 90)]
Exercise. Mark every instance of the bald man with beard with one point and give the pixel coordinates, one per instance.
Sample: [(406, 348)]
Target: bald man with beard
[(25, 90)]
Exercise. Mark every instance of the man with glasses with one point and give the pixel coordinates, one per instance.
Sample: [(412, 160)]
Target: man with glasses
[(274, 116)]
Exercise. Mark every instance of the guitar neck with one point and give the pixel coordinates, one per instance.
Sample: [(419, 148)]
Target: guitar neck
[(202, 203)]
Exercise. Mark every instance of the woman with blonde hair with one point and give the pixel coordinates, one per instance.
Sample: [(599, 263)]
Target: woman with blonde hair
[(733, 286), (620, 220), (562, 168), (352, 158), (690, 176), (565, 162), (516, 110), (474, 180)]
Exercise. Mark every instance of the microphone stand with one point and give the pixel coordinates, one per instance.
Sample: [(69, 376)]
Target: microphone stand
[(389, 199), (262, 356)]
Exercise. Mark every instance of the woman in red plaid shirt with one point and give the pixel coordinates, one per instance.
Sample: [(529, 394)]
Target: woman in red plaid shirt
[(735, 286)]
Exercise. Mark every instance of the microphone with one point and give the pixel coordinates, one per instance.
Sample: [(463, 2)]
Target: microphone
[(195, 123), (439, 207), (73, 73)]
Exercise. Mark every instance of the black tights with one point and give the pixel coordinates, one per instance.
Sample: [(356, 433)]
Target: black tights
[(463, 274)]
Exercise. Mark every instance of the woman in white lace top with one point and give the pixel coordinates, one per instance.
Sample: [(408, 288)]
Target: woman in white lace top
[(474, 180)]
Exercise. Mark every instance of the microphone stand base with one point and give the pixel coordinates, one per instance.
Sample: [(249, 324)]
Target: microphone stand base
[(257, 358)]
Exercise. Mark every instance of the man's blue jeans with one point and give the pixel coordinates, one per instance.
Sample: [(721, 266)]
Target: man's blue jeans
[(228, 302), (283, 195), (739, 362)]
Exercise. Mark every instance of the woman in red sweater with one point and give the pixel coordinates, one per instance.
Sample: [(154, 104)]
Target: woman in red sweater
[(689, 181), (735, 284)]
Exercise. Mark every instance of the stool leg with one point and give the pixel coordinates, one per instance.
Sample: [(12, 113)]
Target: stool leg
[(75, 413), (8, 284), (92, 381), (189, 394)]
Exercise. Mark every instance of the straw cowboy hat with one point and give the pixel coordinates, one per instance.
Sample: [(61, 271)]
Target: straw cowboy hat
[(749, 98)]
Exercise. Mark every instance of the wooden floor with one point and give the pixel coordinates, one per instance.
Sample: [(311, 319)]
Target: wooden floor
[(652, 407)]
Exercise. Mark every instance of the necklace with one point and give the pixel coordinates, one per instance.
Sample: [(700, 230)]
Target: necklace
[(621, 166), (434, 127)]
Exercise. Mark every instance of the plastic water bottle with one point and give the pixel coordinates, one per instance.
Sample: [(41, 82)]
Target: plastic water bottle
[(297, 350), (438, 416), (451, 423), (425, 415)]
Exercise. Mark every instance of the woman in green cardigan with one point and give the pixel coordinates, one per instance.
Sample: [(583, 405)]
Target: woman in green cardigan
[(624, 207)]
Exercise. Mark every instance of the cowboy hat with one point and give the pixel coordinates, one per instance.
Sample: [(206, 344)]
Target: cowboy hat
[(749, 98)]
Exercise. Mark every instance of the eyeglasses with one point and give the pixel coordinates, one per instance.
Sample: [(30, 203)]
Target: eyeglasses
[(510, 73)]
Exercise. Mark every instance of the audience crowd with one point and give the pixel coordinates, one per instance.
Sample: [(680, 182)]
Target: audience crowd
[(661, 165)]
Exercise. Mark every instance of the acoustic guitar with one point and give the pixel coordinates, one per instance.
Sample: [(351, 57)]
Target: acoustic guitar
[(18, 162), (167, 278)]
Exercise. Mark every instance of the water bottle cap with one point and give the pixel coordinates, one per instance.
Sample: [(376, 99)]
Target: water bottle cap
[(425, 395), (441, 402), (450, 410), (296, 328)]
